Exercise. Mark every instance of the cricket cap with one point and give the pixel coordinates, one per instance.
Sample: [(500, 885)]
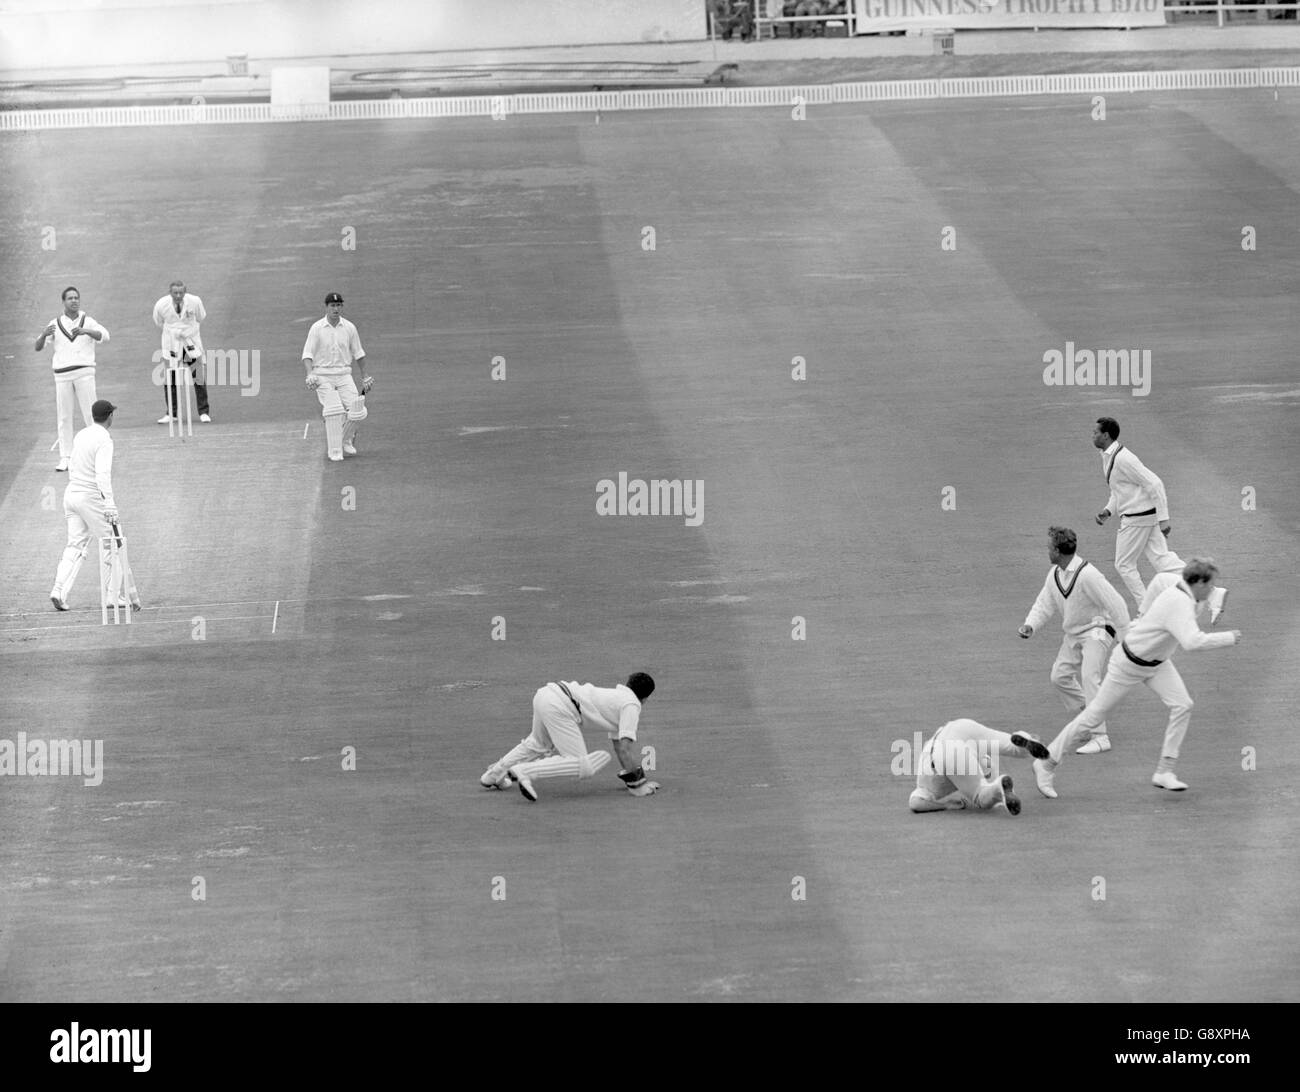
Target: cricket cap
[(333, 297), (102, 410)]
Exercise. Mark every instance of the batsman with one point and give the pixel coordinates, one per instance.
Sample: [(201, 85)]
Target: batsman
[(91, 510), (333, 346)]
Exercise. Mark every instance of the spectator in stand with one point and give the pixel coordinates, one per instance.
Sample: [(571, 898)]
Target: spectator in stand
[(732, 15)]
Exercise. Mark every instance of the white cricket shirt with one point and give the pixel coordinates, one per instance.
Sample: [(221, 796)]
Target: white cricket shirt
[(90, 466), (73, 359), (1079, 594), (1168, 621), (332, 349), (1133, 488), (615, 709)]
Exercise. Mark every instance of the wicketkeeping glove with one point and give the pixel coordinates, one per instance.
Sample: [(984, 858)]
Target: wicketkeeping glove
[(636, 782)]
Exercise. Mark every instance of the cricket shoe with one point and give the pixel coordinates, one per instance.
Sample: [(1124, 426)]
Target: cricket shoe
[(63, 465), (348, 449), (1168, 780), (492, 779), (205, 418), (1098, 745), (525, 785), (167, 418), (1044, 775), (1218, 599), (336, 458), (1003, 797), (57, 600), (1029, 743)]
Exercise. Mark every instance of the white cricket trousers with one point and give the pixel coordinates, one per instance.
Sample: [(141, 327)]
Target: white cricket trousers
[(80, 390), (1131, 542), (961, 757), (555, 747), (1076, 674), (85, 515), (1122, 675)]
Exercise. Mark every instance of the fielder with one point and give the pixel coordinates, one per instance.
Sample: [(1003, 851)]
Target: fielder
[(1092, 613), (333, 346), (74, 334), (178, 314), (555, 748), (1168, 621), (88, 504), (1139, 497), (958, 768)]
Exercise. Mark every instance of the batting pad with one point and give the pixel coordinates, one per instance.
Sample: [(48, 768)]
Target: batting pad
[(334, 433), (564, 765)]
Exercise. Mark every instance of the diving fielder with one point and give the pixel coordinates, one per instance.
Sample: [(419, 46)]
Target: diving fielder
[(958, 768), (1168, 621), (333, 346), (88, 503), (1092, 613), (1139, 498), (555, 747)]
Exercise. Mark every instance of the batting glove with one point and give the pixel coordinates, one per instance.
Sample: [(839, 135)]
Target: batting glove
[(366, 384), (110, 515), (313, 381)]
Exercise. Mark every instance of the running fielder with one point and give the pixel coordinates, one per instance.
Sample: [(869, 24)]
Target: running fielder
[(1167, 622), (1139, 498), (333, 346), (88, 503), (555, 748), (1092, 613), (958, 768)]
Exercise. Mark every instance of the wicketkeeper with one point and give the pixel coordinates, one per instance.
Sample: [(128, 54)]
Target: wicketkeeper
[(555, 747), (333, 346)]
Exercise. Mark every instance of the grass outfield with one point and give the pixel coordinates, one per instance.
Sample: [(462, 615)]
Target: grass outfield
[(472, 507)]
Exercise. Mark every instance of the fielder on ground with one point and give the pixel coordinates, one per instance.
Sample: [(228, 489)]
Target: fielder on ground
[(74, 334), (1168, 621), (958, 768), (333, 346), (555, 747), (88, 502), (1092, 614)]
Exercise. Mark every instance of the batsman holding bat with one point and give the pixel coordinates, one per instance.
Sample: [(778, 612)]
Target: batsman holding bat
[(333, 346), (88, 503), (555, 748)]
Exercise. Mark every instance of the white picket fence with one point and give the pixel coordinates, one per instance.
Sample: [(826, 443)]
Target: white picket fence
[(500, 106)]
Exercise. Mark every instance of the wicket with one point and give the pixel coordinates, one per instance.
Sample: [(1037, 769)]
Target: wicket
[(180, 384), (116, 581)]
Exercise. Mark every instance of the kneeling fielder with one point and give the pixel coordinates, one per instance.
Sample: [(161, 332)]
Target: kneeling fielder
[(555, 748), (958, 769), (333, 346)]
